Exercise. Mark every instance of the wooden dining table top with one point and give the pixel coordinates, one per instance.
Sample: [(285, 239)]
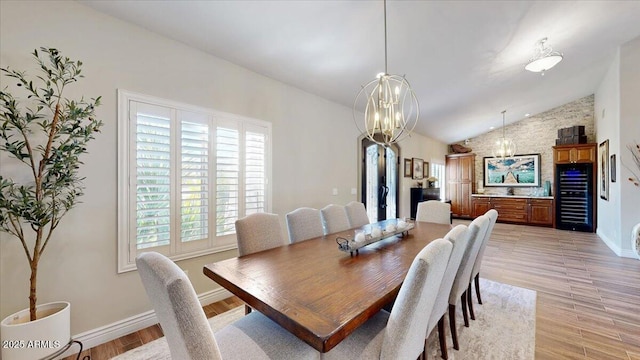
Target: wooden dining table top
[(319, 293)]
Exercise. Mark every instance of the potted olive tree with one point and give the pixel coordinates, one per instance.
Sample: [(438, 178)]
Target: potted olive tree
[(46, 133)]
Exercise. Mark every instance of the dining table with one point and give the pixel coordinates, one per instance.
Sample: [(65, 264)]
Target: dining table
[(319, 293)]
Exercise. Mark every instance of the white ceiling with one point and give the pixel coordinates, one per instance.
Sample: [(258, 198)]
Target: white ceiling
[(465, 59)]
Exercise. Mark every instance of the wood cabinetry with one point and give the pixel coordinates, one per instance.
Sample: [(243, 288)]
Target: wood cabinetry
[(576, 153), (511, 210), (541, 212), (460, 183), (517, 210)]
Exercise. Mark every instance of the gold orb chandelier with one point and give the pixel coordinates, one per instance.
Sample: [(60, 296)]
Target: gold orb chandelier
[(391, 109)]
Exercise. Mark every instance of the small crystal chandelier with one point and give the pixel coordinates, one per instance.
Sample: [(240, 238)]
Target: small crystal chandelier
[(544, 59), (391, 112), (504, 148)]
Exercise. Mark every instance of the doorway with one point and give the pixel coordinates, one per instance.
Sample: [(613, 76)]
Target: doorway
[(380, 180)]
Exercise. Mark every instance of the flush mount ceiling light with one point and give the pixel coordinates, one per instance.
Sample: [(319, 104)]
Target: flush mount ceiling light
[(391, 109), (544, 59), (504, 148)]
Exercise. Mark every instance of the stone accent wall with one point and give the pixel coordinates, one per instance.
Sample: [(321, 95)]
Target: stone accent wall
[(536, 135)]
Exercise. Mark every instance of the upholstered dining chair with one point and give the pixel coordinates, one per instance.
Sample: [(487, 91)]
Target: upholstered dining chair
[(434, 211), (303, 224), (459, 238), (187, 330), (477, 230), (357, 214), (334, 218), (400, 334), (475, 273), (258, 232)]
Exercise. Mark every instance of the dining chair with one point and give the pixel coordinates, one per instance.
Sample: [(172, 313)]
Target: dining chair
[(258, 232), (434, 211), (492, 214), (459, 238), (400, 333), (303, 224), (477, 230), (357, 214), (334, 218), (187, 330)]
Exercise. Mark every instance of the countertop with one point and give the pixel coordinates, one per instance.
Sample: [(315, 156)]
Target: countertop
[(512, 196)]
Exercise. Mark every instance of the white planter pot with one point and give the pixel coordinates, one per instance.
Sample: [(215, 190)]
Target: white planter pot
[(635, 240), (24, 339)]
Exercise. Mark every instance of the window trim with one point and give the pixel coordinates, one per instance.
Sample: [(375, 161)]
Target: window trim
[(127, 248)]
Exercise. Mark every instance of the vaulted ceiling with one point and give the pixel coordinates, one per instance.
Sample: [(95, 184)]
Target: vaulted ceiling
[(464, 59)]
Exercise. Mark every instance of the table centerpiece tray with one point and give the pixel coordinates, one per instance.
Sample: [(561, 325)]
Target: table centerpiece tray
[(355, 242)]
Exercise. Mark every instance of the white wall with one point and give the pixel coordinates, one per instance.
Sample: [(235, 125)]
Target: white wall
[(617, 96), (629, 135), (607, 119), (314, 148)]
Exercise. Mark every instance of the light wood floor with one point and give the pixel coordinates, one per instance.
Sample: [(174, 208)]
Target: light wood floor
[(588, 304)]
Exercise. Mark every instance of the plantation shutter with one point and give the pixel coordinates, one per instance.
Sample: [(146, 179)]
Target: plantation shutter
[(227, 179), (194, 177), (255, 169), (152, 175), (185, 175)]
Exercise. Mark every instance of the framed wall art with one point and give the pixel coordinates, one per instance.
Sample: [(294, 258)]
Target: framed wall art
[(407, 168), (416, 165), (515, 171), (425, 170), (613, 167), (603, 150)]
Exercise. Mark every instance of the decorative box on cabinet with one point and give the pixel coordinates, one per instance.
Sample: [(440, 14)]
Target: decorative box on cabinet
[(460, 183), (422, 194), (516, 210)]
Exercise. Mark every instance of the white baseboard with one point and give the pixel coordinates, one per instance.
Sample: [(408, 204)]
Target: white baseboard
[(628, 253), (134, 323)]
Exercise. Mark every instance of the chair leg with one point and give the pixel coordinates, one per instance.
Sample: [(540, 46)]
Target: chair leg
[(470, 301), (477, 281), (247, 309), (452, 326), (464, 309), (443, 338)]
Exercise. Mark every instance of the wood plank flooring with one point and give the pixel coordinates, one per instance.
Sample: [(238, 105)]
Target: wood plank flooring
[(588, 298)]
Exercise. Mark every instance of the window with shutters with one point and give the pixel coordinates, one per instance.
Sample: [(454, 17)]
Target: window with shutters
[(185, 175), (437, 170)]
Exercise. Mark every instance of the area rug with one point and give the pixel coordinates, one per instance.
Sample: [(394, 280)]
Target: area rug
[(505, 328)]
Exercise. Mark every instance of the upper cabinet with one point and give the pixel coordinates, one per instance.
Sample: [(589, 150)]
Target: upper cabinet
[(576, 153)]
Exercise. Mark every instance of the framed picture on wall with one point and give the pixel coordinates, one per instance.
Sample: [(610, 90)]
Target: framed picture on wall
[(417, 165), (407, 168), (613, 168), (515, 171), (425, 169), (603, 151)]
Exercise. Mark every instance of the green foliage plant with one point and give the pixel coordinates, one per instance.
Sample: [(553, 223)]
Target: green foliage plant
[(47, 133)]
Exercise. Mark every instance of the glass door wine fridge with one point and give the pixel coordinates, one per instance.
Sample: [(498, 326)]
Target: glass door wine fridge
[(574, 197)]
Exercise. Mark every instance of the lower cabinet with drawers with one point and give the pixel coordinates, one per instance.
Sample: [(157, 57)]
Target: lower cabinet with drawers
[(516, 209)]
